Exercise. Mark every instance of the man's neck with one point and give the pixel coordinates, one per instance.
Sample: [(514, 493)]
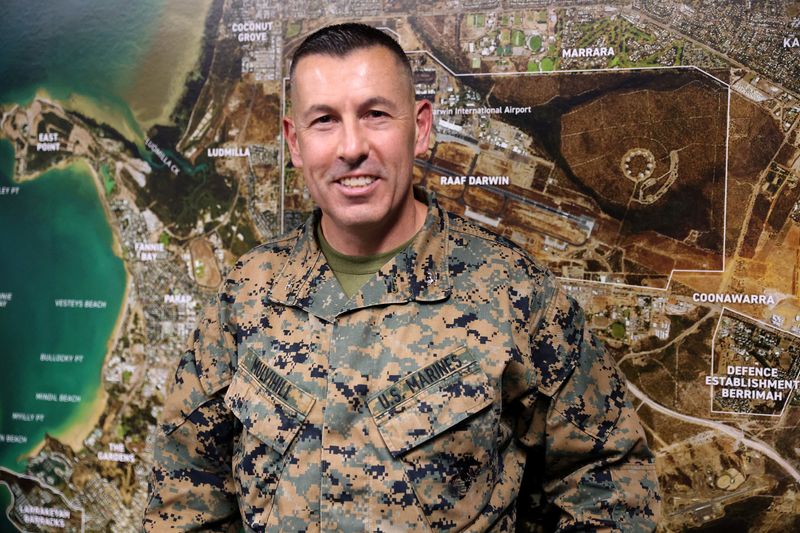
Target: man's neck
[(378, 238)]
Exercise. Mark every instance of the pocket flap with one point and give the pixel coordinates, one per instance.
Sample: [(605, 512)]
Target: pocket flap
[(431, 400), (268, 405)]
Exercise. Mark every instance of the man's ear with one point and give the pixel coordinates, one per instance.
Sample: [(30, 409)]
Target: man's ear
[(424, 121), (290, 134)]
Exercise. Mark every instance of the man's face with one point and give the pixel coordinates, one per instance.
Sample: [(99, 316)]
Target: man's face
[(354, 130)]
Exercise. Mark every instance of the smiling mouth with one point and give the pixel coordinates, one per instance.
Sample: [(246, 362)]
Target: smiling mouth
[(357, 181)]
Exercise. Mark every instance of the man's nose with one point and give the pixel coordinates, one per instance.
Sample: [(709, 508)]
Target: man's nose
[(354, 144)]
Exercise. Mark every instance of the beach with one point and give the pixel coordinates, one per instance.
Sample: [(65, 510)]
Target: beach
[(83, 422), (88, 253)]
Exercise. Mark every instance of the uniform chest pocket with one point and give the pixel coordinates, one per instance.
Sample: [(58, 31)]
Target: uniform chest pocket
[(440, 423), (272, 412)]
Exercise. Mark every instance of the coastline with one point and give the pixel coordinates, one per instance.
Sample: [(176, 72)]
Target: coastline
[(161, 78), (74, 432), (130, 118), (101, 113), (31, 176)]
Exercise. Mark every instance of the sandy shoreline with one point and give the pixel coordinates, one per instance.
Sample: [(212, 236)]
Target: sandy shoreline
[(89, 415), (77, 432), (158, 86), (61, 165)]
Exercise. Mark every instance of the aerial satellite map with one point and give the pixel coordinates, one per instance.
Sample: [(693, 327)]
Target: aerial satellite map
[(645, 151)]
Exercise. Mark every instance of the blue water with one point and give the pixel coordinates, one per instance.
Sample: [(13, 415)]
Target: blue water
[(72, 46), (55, 243)]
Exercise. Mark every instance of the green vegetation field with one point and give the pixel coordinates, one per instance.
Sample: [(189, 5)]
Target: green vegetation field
[(476, 20), (505, 37), (619, 34), (108, 181)]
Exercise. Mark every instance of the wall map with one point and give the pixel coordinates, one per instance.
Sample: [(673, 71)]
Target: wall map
[(646, 151)]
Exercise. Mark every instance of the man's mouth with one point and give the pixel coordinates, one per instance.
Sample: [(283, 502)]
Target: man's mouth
[(357, 181)]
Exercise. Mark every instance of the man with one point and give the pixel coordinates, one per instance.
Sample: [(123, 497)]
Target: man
[(388, 366)]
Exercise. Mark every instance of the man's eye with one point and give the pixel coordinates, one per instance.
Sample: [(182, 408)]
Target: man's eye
[(374, 113), (325, 119)]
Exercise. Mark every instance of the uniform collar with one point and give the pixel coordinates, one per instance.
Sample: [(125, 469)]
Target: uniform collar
[(420, 272)]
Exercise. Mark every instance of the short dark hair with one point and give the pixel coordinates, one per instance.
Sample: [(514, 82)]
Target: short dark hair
[(339, 40)]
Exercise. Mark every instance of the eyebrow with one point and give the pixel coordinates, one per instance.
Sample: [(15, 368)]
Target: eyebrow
[(378, 100), (318, 109), (367, 104)]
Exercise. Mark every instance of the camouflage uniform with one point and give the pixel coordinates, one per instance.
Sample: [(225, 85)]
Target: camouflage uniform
[(415, 405)]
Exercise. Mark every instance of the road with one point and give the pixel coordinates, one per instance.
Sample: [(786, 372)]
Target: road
[(734, 433)]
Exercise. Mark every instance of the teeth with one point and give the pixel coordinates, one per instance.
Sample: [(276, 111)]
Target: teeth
[(360, 181)]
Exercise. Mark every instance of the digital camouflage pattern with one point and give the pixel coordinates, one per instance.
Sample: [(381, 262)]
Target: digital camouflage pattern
[(458, 390)]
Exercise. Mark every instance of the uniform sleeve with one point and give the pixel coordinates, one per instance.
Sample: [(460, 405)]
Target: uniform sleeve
[(191, 485), (595, 468)]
